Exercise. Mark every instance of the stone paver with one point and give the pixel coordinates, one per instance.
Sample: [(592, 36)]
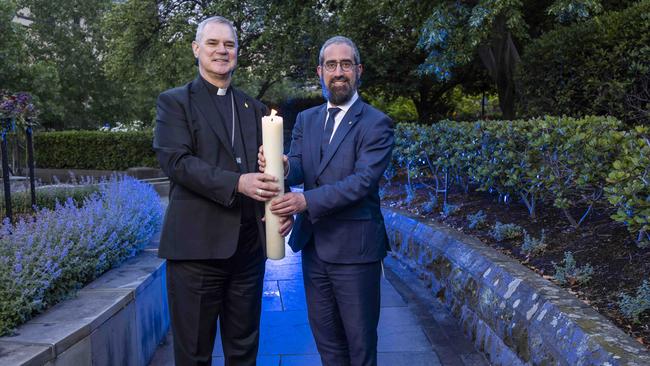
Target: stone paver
[(414, 328)]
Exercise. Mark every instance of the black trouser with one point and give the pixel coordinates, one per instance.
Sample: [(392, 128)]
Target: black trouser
[(343, 307), (202, 291)]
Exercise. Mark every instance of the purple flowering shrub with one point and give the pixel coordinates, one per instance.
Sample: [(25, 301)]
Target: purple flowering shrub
[(46, 257)]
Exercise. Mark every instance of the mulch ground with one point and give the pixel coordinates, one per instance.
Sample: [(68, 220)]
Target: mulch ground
[(619, 265)]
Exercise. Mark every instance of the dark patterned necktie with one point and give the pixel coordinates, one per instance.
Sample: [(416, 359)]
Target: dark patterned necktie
[(329, 127)]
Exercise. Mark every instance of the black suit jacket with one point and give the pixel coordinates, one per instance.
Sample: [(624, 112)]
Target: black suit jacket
[(194, 150)]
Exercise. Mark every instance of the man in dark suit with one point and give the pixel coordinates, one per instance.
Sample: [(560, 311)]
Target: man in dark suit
[(206, 139), (339, 151)]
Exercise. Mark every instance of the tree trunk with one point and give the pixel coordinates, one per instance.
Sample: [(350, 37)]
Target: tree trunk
[(500, 57), (430, 102), (266, 85)]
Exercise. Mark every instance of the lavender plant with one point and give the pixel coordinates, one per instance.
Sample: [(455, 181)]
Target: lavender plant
[(533, 246), (633, 306), (477, 220), (46, 257), (502, 232), (570, 273)]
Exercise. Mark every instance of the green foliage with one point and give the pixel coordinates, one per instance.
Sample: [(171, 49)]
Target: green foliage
[(94, 150), (150, 45), (576, 157), (628, 186), (495, 32), (570, 273), (477, 220), (533, 246), (598, 67), (46, 197), (13, 52), (501, 232), (572, 164), (69, 46), (633, 306), (386, 33), (400, 109), (569, 10), (469, 107)]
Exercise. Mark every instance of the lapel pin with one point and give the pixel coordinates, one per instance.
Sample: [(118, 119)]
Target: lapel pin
[(245, 104), (350, 122)]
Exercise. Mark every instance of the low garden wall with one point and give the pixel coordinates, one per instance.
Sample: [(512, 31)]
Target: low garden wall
[(510, 313), (119, 319)]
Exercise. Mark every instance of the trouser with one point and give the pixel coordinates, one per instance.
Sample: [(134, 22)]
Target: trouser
[(343, 307), (230, 290)]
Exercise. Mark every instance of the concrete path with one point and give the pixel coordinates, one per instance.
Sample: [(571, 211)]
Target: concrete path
[(414, 328)]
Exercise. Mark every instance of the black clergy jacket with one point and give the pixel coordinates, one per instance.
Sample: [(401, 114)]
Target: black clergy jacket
[(195, 151)]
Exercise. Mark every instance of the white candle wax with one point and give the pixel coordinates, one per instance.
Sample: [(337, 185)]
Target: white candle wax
[(273, 141)]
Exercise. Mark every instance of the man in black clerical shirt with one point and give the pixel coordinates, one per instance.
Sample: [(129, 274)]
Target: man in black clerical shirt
[(206, 140)]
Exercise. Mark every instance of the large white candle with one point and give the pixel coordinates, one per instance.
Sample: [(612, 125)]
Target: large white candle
[(273, 141)]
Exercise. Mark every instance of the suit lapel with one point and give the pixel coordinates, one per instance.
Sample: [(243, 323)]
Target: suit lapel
[(316, 132), (249, 127), (205, 105), (348, 121)]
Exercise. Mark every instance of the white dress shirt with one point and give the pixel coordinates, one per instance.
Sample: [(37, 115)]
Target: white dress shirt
[(339, 116)]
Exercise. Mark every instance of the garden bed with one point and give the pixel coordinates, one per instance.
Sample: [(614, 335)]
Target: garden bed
[(619, 266)]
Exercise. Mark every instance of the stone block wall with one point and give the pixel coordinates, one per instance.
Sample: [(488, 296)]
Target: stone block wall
[(118, 319), (511, 314)]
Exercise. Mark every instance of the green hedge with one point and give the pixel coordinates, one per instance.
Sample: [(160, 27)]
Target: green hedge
[(572, 164), (598, 67), (46, 197), (94, 150)]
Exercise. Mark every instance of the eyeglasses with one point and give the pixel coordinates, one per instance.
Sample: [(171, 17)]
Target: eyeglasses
[(345, 65)]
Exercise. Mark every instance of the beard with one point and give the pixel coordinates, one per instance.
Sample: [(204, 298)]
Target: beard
[(338, 94)]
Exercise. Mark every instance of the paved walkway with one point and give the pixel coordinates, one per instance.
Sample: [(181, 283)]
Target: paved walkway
[(414, 328)]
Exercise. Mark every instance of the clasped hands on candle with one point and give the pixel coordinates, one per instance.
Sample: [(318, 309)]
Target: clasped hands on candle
[(290, 203)]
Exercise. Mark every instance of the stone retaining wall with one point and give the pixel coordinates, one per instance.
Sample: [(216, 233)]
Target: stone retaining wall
[(119, 319), (510, 313)]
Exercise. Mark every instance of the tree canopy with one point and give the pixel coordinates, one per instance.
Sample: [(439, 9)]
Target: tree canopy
[(96, 61), (495, 31)]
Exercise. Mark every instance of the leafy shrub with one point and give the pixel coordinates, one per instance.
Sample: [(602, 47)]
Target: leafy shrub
[(47, 197), (477, 220), (629, 187), (570, 273), (501, 232), (94, 150), (596, 67), (567, 162), (532, 245), (46, 257), (633, 306)]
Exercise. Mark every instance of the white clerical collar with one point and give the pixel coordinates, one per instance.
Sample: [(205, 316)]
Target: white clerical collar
[(222, 91), (345, 106)]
